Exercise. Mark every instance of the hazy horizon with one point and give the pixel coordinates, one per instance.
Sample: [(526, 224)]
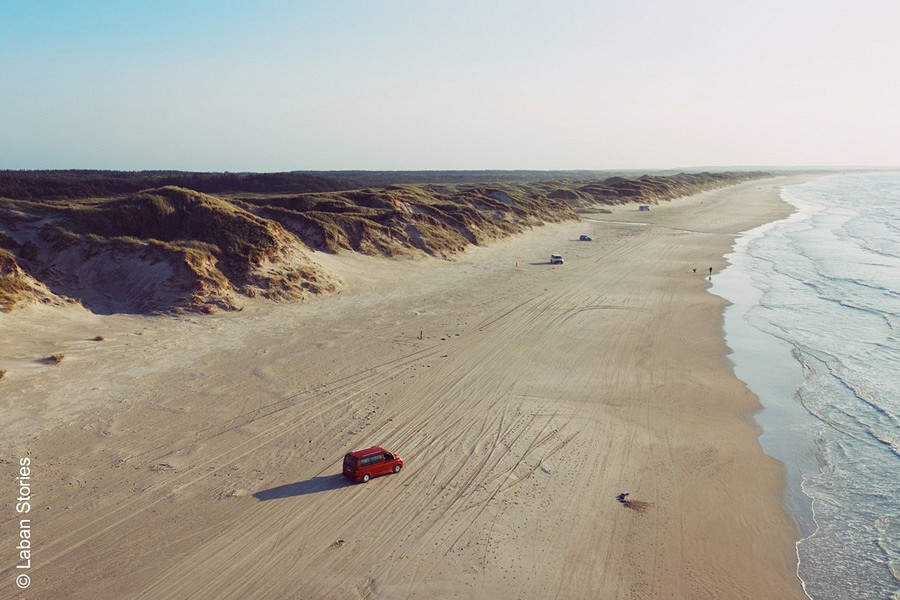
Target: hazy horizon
[(219, 86)]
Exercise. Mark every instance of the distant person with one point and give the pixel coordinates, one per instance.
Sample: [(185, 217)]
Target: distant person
[(710, 272), (695, 271), (622, 497)]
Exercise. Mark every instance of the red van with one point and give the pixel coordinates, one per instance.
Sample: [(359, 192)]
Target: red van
[(362, 465)]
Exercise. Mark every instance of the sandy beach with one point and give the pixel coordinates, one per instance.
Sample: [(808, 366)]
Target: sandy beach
[(200, 456)]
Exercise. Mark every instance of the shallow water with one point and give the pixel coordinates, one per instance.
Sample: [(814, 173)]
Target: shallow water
[(813, 332)]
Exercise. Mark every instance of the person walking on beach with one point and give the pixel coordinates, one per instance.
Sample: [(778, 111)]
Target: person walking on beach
[(710, 273)]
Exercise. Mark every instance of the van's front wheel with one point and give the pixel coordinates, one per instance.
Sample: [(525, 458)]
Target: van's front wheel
[(365, 478), (396, 468)]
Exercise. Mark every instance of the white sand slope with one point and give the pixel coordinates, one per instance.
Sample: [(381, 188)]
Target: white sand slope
[(201, 458)]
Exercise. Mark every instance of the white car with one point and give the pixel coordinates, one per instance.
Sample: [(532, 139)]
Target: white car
[(556, 259)]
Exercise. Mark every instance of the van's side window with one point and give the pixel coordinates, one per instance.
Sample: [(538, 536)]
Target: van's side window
[(365, 462), (376, 459)]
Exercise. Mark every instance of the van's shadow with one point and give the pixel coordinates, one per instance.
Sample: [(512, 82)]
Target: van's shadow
[(315, 485)]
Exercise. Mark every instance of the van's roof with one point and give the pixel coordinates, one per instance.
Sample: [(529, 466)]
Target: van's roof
[(366, 452)]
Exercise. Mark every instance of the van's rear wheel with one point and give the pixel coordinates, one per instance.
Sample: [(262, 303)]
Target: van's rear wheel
[(365, 478), (396, 468)]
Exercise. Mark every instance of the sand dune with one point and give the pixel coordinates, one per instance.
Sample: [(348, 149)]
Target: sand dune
[(161, 250), (171, 249), (200, 456)]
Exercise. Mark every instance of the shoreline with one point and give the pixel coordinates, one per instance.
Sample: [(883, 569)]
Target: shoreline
[(750, 409), (777, 333), (522, 377), (765, 364), (752, 352)]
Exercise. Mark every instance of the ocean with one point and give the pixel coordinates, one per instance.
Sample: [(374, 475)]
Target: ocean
[(813, 331)]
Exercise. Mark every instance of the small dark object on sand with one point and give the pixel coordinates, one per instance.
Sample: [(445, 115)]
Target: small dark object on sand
[(635, 505)]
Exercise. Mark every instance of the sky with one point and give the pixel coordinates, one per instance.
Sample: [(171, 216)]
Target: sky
[(409, 85)]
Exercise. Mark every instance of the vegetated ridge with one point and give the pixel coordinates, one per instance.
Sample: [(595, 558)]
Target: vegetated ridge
[(172, 249)]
